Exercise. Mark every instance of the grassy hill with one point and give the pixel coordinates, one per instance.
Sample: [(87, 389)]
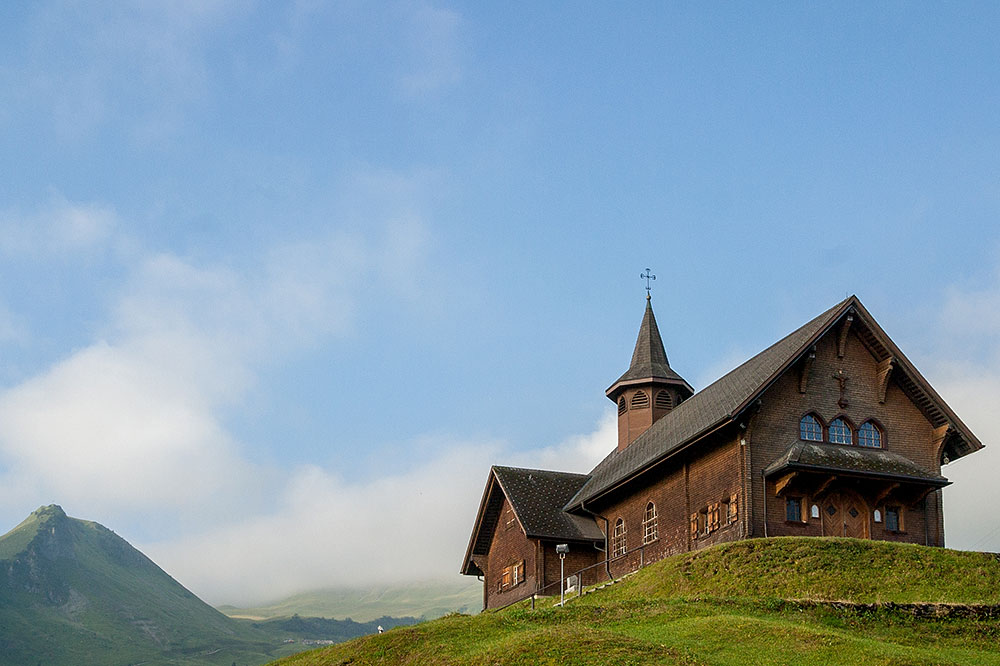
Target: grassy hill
[(759, 601), (424, 600)]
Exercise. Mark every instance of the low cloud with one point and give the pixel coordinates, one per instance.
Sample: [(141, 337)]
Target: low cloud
[(132, 425), (327, 531)]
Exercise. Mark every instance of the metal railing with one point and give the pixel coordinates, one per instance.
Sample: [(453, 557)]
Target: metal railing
[(631, 562)]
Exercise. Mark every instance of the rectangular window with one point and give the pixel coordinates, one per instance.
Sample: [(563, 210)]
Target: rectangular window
[(505, 577), (892, 522), (733, 512), (508, 517), (793, 510)]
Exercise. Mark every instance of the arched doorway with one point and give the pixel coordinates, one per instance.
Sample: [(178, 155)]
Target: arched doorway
[(845, 514)]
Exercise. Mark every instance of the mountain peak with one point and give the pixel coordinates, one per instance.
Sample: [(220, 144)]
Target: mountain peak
[(50, 511)]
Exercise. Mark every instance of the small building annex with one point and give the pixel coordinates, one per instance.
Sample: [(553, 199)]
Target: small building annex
[(831, 431)]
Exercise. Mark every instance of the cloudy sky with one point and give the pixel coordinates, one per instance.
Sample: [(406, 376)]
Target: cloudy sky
[(279, 281)]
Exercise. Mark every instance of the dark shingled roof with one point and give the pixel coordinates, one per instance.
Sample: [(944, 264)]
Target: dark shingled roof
[(538, 497), (649, 358), (852, 460), (704, 410)]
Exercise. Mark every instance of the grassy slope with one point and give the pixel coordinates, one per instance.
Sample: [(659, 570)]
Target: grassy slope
[(427, 600), (723, 606)]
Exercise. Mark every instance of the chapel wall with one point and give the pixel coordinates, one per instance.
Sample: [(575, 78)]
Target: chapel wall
[(508, 546), (906, 431), (678, 491), (581, 557)]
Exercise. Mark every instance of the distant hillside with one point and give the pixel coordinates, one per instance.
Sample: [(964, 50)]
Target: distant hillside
[(74, 593), (767, 602), (425, 600)]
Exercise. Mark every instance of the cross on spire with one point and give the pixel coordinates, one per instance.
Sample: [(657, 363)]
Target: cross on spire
[(647, 276)]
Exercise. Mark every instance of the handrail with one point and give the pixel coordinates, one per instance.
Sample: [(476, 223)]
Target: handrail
[(540, 591)]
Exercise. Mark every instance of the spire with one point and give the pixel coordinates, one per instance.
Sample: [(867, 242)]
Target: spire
[(649, 359)]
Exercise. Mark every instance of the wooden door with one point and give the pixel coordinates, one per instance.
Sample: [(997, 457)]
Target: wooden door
[(845, 514)]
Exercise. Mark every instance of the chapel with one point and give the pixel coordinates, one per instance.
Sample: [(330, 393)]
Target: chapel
[(831, 431)]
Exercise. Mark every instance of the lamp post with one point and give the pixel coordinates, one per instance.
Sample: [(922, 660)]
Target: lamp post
[(562, 549)]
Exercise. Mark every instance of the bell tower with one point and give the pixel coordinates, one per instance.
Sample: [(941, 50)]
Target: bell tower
[(649, 388)]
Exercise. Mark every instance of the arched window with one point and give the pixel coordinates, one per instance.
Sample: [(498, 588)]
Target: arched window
[(618, 540), (663, 400), (810, 429), (649, 529), (622, 406), (840, 432), (639, 400), (869, 435)]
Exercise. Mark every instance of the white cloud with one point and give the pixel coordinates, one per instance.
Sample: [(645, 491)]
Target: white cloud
[(970, 382), (433, 41), (134, 423), (327, 531), (60, 228), (579, 453), (90, 55)]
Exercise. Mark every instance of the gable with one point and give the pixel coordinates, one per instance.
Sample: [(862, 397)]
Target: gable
[(725, 400), (536, 498)]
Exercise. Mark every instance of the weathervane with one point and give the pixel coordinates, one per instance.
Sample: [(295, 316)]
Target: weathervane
[(647, 276)]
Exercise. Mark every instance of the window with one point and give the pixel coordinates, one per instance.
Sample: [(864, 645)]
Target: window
[(511, 576), (663, 400), (814, 511), (793, 509), (878, 516), (622, 406), (893, 519), (649, 528), (810, 429), (618, 540), (640, 400), (733, 511), (508, 518), (869, 435), (840, 432), (694, 525)]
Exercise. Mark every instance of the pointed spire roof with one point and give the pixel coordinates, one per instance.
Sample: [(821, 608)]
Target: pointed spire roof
[(649, 359)]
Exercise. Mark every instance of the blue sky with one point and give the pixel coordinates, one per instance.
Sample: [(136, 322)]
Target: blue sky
[(267, 266)]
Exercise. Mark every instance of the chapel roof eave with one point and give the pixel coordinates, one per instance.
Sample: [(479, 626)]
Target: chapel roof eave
[(852, 461)]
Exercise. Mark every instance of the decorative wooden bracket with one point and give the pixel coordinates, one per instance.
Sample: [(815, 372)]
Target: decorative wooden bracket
[(842, 339), (923, 493), (885, 493), (823, 486), (806, 368), (884, 373), (782, 483), (938, 436)]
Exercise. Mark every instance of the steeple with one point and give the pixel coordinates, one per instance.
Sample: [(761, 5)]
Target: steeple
[(649, 388)]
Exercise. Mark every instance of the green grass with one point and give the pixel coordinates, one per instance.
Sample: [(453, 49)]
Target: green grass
[(727, 605)]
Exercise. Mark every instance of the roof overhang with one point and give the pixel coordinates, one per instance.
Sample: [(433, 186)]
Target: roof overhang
[(616, 388)]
